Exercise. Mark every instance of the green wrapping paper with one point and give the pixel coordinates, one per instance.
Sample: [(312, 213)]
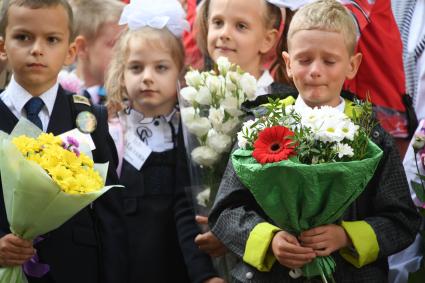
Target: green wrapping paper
[(34, 203), (298, 197)]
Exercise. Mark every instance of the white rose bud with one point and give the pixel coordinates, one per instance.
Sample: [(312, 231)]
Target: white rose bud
[(249, 85), (204, 96), (205, 156), (216, 117), (232, 105), (418, 143), (203, 197), (193, 78), (231, 126), (223, 65), (187, 114), (235, 77), (219, 142), (198, 126), (230, 86), (242, 141), (188, 93), (213, 84)]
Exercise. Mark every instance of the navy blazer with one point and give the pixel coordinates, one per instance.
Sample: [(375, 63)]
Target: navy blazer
[(161, 221), (91, 246)]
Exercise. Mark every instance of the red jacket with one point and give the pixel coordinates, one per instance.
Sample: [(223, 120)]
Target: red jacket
[(381, 72), (194, 57)]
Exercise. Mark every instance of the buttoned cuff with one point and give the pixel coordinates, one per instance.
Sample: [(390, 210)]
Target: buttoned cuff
[(257, 249), (365, 247)]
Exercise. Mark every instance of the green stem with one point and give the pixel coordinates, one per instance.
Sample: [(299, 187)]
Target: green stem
[(417, 168)]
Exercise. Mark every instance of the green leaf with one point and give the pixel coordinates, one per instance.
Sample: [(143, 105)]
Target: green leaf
[(419, 190), (227, 116)]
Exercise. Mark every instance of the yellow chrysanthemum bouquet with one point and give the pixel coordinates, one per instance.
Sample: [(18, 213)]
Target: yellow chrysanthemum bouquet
[(46, 180), (71, 170)]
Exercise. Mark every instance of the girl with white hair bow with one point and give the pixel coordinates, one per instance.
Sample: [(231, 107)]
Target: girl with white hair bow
[(145, 123)]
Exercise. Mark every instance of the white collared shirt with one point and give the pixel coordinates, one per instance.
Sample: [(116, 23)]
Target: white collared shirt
[(94, 93), (15, 97), (264, 83), (156, 132), (300, 104)]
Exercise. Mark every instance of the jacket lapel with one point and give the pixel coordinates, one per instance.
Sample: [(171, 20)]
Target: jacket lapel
[(8, 120), (61, 119)]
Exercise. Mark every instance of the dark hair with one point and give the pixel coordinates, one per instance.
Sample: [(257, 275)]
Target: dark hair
[(279, 65), (37, 4)]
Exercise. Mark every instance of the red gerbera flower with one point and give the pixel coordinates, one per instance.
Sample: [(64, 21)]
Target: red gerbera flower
[(272, 145)]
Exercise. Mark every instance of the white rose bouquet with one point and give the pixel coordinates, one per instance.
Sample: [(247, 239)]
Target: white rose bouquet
[(211, 114)]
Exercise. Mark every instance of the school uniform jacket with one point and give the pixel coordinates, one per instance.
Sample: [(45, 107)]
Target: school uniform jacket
[(90, 247), (161, 220), (385, 205)]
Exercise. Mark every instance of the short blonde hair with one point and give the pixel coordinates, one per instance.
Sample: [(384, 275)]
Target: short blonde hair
[(161, 39), (326, 15), (90, 15)]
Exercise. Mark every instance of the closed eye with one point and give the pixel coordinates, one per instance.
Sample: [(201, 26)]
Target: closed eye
[(304, 61)]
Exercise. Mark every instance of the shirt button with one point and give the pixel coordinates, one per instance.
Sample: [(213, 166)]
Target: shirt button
[(249, 275), (375, 134)]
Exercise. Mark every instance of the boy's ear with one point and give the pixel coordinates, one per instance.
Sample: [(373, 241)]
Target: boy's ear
[(82, 46), (269, 40), (285, 56), (355, 61), (70, 57)]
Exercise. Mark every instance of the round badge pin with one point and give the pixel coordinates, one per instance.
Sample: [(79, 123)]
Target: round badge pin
[(86, 122)]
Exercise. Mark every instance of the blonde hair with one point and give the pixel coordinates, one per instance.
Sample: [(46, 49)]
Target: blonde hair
[(90, 15), (326, 15), (156, 39)]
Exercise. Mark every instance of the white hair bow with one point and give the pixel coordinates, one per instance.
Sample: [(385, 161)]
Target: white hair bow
[(291, 4), (156, 14)]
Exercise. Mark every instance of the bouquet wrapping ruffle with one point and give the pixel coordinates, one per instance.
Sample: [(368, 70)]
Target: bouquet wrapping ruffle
[(34, 203), (298, 197)]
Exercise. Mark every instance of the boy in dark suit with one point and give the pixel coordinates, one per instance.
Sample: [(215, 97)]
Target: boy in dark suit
[(90, 246)]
